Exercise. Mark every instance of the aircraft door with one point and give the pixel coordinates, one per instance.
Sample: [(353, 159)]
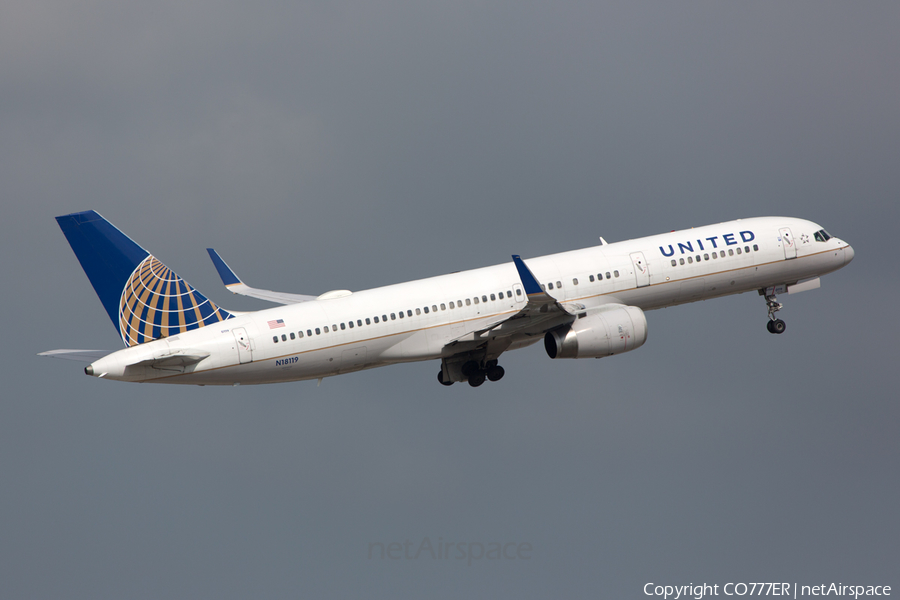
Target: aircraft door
[(518, 294), (787, 242), (242, 342), (641, 269)]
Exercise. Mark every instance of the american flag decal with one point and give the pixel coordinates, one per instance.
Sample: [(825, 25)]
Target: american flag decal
[(276, 324)]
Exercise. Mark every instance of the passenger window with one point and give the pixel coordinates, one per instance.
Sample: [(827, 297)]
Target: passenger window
[(334, 327), (318, 331), (591, 278), (434, 308), (443, 306), (493, 297), (459, 303), (408, 313), (722, 253), (755, 247), (343, 327), (452, 305), (426, 310), (475, 299), (738, 250), (484, 298), (418, 311), (359, 322), (600, 276), (747, 249), (326, 329), (300, 334), (283, 337), (706, 257), (690, 260), (607, 275), (550, 285), (575, 281), (518, 292), (393, 316), (350, 324), (369, 322), (468, 302), (376, 319), (293, 337), (384, 318), (508, 294), (616, 273), (673, 262), (275, 338), (401, 314), (559, 284), (730, 252), (309, 332), (681, 261)]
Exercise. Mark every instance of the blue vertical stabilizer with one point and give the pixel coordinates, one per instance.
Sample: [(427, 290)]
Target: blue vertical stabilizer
[(144, 299)]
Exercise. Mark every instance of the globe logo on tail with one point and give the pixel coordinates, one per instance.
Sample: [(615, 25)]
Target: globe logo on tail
[(157, 303)]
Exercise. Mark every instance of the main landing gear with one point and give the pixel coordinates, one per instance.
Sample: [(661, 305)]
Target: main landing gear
[(774, 325), (475, 374)]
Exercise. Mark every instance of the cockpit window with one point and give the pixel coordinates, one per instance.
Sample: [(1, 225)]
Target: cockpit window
[(822, 236)]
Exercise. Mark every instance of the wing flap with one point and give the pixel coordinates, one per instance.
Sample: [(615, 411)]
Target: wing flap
[(541, 313)]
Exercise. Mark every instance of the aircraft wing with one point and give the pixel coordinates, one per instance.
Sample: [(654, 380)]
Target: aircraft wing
[(540, 313), (236, 286)]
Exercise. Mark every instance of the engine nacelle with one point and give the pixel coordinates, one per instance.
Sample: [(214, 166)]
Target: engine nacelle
[(599, 334)]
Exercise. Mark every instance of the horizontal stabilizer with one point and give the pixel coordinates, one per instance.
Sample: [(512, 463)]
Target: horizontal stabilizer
[(236, 286), (174, 361), (80, 355)]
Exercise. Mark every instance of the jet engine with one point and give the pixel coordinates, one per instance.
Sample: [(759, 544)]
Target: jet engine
[(603, 333)]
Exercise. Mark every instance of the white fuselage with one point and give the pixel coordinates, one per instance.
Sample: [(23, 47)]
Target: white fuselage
[(341, 335)]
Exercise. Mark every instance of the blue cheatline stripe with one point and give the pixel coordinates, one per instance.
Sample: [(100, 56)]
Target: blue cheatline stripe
[(529, 282)]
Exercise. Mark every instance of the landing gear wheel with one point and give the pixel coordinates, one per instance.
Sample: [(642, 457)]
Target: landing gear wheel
[(769, 326), (441, 378), (476, 378), (469, 367), (495, 373), (778, 326)]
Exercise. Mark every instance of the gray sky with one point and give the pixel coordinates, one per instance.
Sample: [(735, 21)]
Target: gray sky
[(350, 145)]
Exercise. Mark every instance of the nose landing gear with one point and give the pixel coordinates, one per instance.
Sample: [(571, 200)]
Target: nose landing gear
[(774, 325)]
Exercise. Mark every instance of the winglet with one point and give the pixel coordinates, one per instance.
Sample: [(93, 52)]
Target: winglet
[(236, 286), (528, 279), (228, 276)]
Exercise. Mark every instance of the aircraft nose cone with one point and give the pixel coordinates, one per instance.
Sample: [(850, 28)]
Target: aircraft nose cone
[(848, 254)]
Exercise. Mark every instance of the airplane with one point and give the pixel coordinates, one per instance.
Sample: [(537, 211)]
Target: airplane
[(587, 303)]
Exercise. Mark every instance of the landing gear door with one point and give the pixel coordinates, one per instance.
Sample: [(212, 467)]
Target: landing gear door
[(641, 269), (242, 342), (787, 242)]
